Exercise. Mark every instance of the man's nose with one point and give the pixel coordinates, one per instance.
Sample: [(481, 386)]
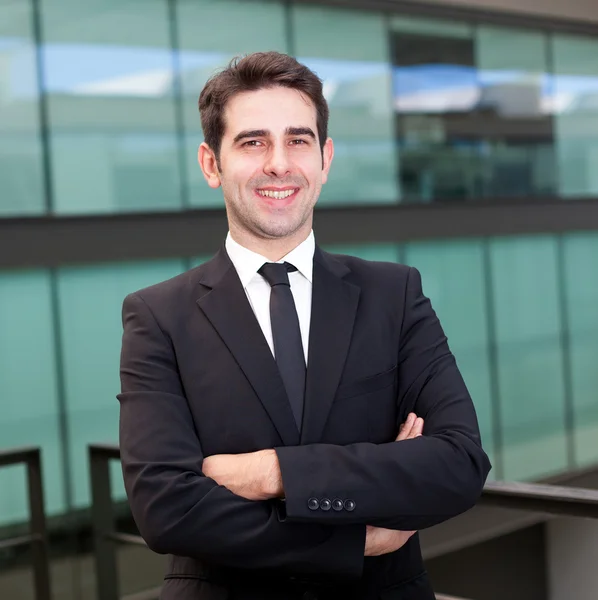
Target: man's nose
[(278, 162)]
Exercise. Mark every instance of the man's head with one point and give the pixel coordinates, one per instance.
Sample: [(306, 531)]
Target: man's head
[(265, 124)]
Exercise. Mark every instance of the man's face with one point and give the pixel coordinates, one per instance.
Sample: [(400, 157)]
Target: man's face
[(271, 165)]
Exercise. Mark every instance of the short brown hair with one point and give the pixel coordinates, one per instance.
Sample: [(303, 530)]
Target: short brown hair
[(254, 72)]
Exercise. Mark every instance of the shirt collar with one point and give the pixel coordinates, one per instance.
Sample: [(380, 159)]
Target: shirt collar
[(247, 263)]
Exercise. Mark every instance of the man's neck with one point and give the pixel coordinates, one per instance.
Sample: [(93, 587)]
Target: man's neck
[(273, 249)]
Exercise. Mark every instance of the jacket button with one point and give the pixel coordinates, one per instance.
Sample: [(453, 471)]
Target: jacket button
[(325, 504), (313, 504), (337, 504), (350, 505)]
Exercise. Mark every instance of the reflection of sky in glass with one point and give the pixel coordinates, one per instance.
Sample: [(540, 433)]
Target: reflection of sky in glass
[(344, 70), (348, 82), (92, 69), (102, 70), (446, 88)]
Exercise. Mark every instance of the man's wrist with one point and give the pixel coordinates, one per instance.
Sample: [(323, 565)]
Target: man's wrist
[(272, 478)]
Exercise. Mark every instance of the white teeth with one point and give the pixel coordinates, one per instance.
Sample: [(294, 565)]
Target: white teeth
[(277, 195)]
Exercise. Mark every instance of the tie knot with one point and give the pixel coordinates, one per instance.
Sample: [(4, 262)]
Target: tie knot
[(276, 273)]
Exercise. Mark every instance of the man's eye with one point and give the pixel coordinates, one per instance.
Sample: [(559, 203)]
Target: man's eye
[(298, 142), (252, 143)]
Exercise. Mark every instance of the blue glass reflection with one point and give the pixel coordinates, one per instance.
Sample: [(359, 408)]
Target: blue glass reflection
[(99, 70)]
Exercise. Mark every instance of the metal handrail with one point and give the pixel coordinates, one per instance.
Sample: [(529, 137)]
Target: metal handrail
[(37, 538), (542, 498), (104, 528), (532, 497)]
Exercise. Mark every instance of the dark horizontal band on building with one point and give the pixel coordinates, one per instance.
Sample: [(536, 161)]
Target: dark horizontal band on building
[(56, 241)]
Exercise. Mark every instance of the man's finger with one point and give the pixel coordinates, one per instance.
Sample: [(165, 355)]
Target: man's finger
[(405, 428), (413, 427), (418, 428)]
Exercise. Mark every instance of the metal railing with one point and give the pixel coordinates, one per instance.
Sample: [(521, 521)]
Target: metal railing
[(37, 537), (532, 497), (540, 498), (104, 527)]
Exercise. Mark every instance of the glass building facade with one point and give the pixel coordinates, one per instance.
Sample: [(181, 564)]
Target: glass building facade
[(99, 103), (98, 116)]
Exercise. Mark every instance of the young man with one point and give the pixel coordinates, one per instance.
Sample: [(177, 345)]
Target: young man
[(262, 392)]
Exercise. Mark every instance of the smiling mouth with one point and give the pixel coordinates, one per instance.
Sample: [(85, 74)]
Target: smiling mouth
[(277, 195)]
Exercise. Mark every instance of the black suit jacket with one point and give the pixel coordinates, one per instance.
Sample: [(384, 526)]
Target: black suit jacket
[(198, 379)]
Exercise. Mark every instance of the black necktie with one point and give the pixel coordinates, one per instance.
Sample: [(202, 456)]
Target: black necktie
[(288, 348)]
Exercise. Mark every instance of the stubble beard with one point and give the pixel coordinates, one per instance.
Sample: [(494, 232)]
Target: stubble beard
[(278, 224)]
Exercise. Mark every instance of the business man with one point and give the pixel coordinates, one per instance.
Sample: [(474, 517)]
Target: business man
[(263, 392)]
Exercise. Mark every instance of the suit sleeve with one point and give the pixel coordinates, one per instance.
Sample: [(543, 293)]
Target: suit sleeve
[(410, 484), (180, 511)]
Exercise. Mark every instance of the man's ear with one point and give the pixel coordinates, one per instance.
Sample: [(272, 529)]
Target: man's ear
[(327, 156), (209, 165)]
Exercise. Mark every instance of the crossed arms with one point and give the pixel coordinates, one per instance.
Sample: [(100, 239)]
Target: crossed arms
[(405, 485), (256, 476)]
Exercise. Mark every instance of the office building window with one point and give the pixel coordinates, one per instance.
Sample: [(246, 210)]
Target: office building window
[(529, 356), (576, 114), (90, 302), (109, 74), (349, 51), (29, 390), (21, 173), (473, 111), (581, 299)]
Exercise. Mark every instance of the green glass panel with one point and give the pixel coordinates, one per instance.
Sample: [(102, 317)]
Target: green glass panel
[(21, 178), (28, 390), (530, 356), (453, 278), (515, 102), (211, 33), (349, 51), (576, 113), (581, 289), (109, 80), (199, 260), (90, 300)]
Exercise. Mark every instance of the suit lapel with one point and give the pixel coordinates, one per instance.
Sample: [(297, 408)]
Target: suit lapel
[(334, 305), (226, 306)]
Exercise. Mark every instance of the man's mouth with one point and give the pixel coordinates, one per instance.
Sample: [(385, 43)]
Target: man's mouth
[(277, 194)]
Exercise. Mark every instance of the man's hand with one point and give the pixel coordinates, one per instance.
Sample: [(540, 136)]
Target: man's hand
[(378, 540), (254, 475), (413, 427)]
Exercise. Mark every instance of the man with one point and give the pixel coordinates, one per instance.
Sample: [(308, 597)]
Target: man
[(261, 477)]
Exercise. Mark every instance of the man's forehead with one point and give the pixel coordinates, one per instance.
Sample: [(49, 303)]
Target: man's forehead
[(274, 109)]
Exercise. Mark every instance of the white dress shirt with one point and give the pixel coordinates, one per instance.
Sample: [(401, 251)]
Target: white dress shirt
[(247, 264)]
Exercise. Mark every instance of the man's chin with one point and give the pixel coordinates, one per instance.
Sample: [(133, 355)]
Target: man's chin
[(279, 230)]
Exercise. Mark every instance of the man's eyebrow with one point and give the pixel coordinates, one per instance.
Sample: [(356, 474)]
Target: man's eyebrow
[(301, 131), (250, 133)]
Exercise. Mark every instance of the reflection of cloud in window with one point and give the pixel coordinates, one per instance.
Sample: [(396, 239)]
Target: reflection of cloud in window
[(347, 83), (70, 66), (344, 70), (454, 88), (149, 84), (120, 70)]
